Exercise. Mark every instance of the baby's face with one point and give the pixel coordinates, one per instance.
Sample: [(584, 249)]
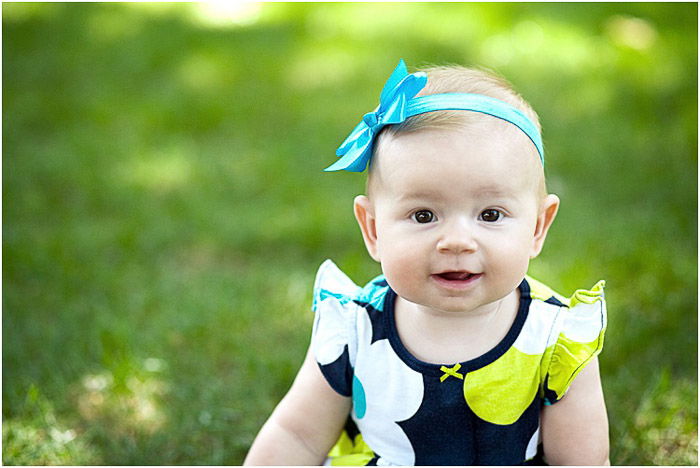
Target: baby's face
[(455, 213)]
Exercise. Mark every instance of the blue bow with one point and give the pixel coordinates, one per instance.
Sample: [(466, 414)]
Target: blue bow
[(356, 150)]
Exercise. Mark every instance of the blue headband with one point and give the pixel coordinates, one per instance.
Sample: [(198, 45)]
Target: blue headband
[(398, 102)]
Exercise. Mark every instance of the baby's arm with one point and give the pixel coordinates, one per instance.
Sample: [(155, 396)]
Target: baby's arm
[(575, 430), (305, 424)]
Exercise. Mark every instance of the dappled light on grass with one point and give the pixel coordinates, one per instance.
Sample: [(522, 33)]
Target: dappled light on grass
[(133, 408), (629, 31), (105, 26), (210, 14), (205, 72), (224, 13), (526, 40), (23, 11), (42, 437), (30, 443), (661, 420), (159, 172), (545, 43), (361, 21), (319, 65)]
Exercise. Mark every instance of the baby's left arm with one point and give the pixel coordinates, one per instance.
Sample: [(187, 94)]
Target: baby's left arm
[(575, 429)]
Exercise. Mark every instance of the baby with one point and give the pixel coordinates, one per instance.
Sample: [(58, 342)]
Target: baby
[(454, 356)]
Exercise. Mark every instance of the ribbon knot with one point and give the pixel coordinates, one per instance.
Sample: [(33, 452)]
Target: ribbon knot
[(356, 151), (370, 119), (451, 371)]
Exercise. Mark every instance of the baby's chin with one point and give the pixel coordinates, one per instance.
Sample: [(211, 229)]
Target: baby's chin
[(444, 306), (456, 303)]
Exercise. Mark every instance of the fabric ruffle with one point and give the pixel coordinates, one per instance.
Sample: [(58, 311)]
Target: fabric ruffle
[(580, 331), (333, 339)]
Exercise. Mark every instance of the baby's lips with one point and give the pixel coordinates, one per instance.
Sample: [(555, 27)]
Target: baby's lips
[(456, 275)]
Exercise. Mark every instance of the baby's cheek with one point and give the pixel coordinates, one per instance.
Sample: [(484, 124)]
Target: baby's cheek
[(402, 273), (394, 268), (513, 261)]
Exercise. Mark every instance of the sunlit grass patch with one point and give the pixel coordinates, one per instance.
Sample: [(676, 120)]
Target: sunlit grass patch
[(657, 424), (161, 172), (41, 437), (134, 408), (28, 443)]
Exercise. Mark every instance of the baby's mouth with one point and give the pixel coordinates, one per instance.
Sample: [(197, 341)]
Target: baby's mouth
[(457, 276)]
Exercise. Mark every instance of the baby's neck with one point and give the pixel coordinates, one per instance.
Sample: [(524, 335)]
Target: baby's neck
[(446, 338)]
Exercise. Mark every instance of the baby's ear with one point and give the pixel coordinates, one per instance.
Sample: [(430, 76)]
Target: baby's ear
[(364, 213), (545, 218)]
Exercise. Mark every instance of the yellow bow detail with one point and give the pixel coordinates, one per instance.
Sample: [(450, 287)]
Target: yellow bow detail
[(451, 371)]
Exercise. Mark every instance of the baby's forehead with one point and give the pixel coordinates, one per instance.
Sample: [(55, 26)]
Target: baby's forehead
[(472, 134), (501, 156), (426, 184)]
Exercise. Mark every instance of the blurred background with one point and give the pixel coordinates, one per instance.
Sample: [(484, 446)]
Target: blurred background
[(165, 209)]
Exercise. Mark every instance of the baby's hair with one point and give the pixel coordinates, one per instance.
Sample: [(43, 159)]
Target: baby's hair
[(457, 79)]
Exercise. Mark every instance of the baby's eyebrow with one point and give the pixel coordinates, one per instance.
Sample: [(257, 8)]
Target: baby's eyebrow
[(494, 192), (408, 196), (481, 192)]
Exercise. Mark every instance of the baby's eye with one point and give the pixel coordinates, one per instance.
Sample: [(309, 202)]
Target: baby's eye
[(491, 215), (423, 216)]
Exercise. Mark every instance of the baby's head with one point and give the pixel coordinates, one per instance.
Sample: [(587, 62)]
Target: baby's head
[(456, 204), (464, 124)]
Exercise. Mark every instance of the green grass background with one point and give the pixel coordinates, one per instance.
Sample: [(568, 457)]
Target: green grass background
[(164, 208)]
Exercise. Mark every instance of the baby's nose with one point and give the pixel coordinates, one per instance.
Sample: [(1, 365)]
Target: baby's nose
[(457, 237)]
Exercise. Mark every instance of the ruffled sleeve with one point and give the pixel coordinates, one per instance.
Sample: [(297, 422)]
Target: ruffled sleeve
[(581, 330), (334, 335)]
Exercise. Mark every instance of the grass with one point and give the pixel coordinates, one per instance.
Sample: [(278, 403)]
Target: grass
[(164, 208)]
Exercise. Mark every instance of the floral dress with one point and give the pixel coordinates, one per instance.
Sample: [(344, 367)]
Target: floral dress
[(485, 411)]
